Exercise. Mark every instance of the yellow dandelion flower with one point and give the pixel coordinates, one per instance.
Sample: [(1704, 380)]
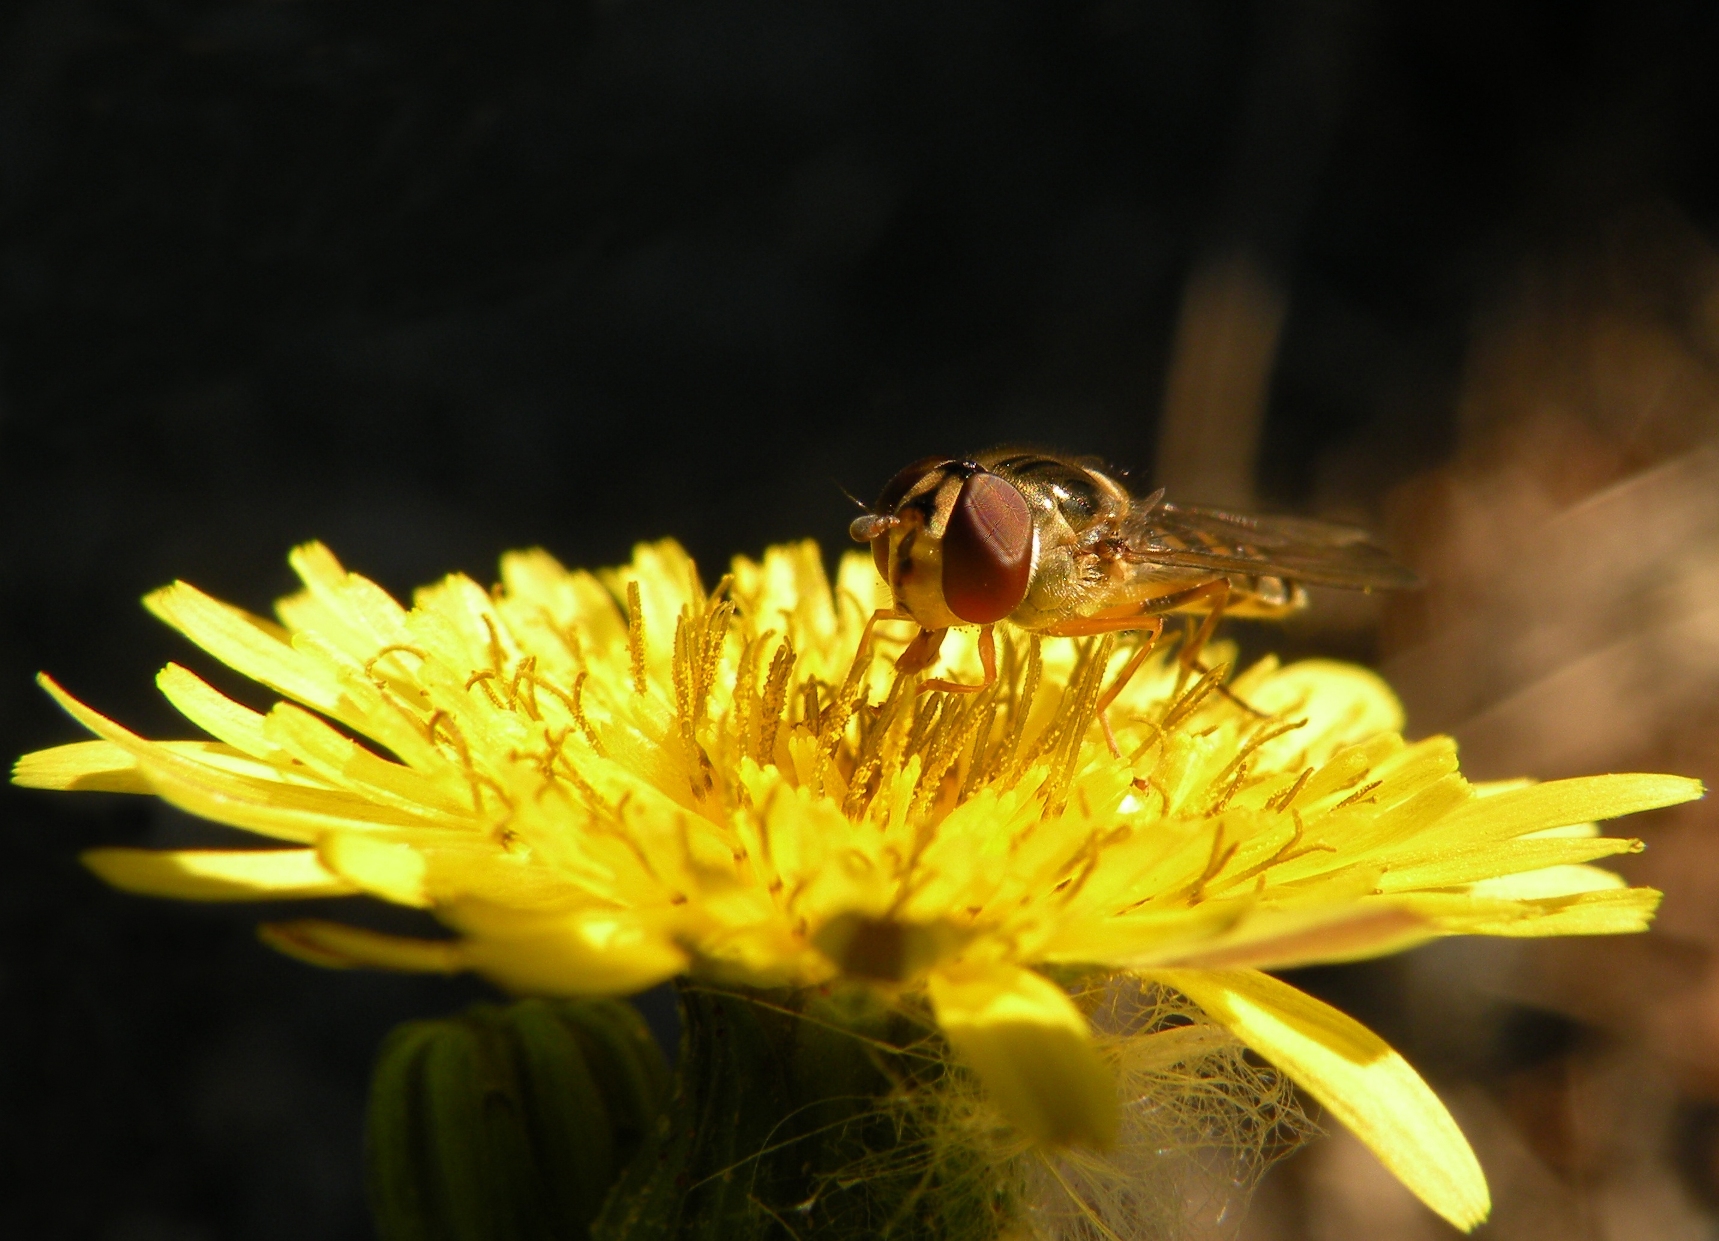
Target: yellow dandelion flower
[(600, 782)]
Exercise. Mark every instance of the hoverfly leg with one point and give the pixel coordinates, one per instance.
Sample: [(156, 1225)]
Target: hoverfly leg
[(987, 659), (1217, 594), (1147, 643), (1191, 661), (1109, 735), (1185, 664), (1152, 629), (921, 653), (1243, 703), (1227, 692), (882, 614), (1091, 626)]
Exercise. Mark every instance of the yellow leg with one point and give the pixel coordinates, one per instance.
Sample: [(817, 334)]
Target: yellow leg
[(1132, 666)]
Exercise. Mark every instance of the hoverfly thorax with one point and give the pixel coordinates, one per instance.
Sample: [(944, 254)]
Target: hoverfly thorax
[(954, 541)]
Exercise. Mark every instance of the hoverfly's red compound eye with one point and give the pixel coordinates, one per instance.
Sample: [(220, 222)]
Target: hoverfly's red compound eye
[(987, 550), (874, 528)]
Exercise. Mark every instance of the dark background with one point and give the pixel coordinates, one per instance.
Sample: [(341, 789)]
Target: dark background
[(432, 280)]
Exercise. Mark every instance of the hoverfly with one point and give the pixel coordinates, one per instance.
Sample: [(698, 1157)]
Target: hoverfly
[(1058, 546)]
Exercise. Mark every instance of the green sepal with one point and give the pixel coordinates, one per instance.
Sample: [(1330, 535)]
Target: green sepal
[(565, 1114), (629, 1068), (508, 1123)]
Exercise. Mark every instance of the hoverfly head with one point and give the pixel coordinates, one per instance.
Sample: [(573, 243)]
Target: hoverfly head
[(908, 483), (977, 524)]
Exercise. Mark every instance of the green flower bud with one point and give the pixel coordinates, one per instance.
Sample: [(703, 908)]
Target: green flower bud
[(508, 1123)]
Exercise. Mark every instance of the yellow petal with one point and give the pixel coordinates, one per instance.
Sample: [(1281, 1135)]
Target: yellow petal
[(342, 761), (586, 953), (248, 644), (1487, 860), (1559, 803), (388, 869), (1356, 1075), (213, 712), (1150, 936), (269, 807), (218, 875), (103, 766), (1570, 831), (1550, 881), (1619, 911), (1032, 1049), (1343, 703), (1286, 939), (85, 766), (354, 614), (1601, 911), (348, 947)]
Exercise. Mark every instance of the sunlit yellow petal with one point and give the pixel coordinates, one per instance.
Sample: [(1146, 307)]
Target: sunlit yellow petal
[(248, 644), (594, 953), (342, 761), (354, 615), (213, 712), (1551, 881), (392, 870), (1032, 1049), (269, 807), (86, 766), (1483, 861), (1615, 910), (1343, 703), (1146, 937), (1359, 1079), (218, 875), (1560, 802), (1287, 939)]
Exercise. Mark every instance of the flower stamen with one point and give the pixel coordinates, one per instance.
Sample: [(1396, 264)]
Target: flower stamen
[(1362, 794), (636, 636), (775, 700), (1279, 802)]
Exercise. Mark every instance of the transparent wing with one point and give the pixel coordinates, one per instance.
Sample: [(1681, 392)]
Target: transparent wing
[(1301, 549)]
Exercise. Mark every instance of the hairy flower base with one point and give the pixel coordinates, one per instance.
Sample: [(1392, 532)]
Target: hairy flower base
[(603, 781), (849, 1118)]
